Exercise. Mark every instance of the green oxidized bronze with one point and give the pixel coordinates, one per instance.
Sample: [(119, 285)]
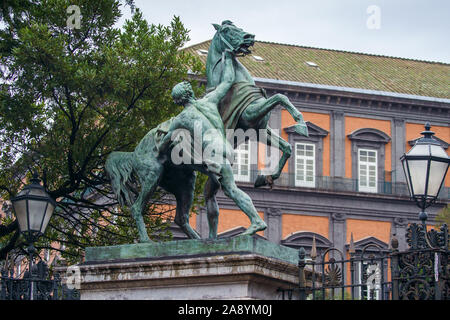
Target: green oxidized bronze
[(246, 106), (232, 102), (152, 160)]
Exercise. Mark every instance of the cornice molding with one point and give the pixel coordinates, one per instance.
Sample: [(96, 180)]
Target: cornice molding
[(356, 93), (300, 238), (273, 212), (313, 130), (369, 135), (353, 100), (370, 243), (339, 217), (400, 222), (366, 102)]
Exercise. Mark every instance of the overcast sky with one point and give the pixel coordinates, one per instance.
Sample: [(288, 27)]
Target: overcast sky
[(417, 29)]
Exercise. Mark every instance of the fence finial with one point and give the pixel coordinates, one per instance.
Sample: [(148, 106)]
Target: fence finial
[(351, 248), (313, 249), (301, 254)]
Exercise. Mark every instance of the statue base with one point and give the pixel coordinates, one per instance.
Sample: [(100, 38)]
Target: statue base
[(242, 267)]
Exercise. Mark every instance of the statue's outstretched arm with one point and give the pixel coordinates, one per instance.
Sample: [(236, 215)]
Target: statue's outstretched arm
[(227, 81)]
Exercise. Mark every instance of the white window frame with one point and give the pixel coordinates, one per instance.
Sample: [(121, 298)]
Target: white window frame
[(305, 158), (367, 188), (239, 153), (363, 291)]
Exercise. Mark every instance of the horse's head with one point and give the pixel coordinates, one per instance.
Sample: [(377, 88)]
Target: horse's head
[(233, 38)]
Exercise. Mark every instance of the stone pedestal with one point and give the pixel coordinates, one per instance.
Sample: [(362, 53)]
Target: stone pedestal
[(242, 267)]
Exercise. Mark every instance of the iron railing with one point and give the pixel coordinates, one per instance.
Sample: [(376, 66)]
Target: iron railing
[(420, 273), (43, 287), (341, 184)]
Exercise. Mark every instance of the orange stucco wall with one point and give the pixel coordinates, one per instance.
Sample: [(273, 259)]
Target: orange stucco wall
[(319, 119), (169, 211), (354, 123), (193, 220), (365, 228), (294, 223), (413, 131), (261, 155), (230, 218)]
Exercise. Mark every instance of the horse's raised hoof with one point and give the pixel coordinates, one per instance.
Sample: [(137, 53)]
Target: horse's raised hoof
[(260, 181), (263, 181), (301, 129), (269, 180)]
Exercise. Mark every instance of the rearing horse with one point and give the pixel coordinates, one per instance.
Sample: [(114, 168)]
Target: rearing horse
[(245, 106), (154, 161)]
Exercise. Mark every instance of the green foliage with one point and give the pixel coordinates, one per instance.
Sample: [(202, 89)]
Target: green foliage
[(69, 97), (443, 216)]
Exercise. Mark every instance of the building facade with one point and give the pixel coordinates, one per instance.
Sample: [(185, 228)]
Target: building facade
[(345, 180)]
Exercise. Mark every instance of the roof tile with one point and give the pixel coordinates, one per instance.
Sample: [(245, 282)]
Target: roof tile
[(345, 69)]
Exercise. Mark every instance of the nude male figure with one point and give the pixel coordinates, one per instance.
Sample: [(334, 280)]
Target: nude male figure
[(203, 113)]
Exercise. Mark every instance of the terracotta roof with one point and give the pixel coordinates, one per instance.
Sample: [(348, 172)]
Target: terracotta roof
[(344, 69)]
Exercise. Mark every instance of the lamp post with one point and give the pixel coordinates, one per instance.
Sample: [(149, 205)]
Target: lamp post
[(33, 208), (425, 167)]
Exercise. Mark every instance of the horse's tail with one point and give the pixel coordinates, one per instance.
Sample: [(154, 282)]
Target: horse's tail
[(119, 167)]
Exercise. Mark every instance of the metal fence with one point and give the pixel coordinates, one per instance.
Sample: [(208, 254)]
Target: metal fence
[(40, 286), (420, 273), (388, 186)]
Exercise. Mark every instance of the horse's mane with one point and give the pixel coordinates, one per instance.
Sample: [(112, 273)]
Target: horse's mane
[(227, 22)]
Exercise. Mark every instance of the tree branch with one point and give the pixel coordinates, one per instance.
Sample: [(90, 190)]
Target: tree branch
[(5, 230), (11, 245)]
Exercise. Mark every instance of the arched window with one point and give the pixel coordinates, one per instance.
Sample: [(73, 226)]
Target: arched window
[(305, 239), (371, 267)]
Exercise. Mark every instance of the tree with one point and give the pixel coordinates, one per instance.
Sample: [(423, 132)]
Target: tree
[(69, 97)]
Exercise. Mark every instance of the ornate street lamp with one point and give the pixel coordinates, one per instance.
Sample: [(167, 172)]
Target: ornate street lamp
[(425, 167), (33, 208)]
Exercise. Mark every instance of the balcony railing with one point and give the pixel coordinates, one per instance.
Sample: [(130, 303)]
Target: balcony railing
[(340, 184)]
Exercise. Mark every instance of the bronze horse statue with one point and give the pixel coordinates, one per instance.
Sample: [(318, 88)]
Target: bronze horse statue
[(241, 105), (245, 106)]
